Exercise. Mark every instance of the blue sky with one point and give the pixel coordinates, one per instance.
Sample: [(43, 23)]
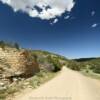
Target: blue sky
[(78, 36)]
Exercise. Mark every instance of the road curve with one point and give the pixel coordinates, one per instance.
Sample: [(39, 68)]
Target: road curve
[(68, 85)]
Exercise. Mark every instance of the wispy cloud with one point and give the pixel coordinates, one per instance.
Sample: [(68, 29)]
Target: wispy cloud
[(49, 9), (67, 17), (94, 25), (93, 13), (54, 21)]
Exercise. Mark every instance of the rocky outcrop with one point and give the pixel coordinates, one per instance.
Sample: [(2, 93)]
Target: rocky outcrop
[(14, 63)]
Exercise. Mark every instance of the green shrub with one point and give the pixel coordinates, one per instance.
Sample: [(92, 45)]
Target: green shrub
[(96, 69), (74, 65), (55, 63)]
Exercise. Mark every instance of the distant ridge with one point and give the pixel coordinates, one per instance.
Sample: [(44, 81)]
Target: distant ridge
[(85, 59)]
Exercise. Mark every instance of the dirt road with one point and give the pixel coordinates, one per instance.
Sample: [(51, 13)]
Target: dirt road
[(68, 85)]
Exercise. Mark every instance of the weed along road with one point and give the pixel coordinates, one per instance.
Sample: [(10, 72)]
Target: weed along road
[(67, 85)]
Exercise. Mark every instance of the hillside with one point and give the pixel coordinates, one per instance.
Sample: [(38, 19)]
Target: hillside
[(20, 68), (90, 64)]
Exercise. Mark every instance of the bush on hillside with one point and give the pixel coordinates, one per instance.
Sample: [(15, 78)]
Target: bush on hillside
[(74, 65), (4, 44), (96, 69), (55, 62)]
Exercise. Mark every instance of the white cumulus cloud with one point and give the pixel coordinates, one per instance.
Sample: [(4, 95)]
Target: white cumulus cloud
[(43, 9)]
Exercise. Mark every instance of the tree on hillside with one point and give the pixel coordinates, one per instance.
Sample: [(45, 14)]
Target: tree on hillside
[(16, 45), (2, 45)]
